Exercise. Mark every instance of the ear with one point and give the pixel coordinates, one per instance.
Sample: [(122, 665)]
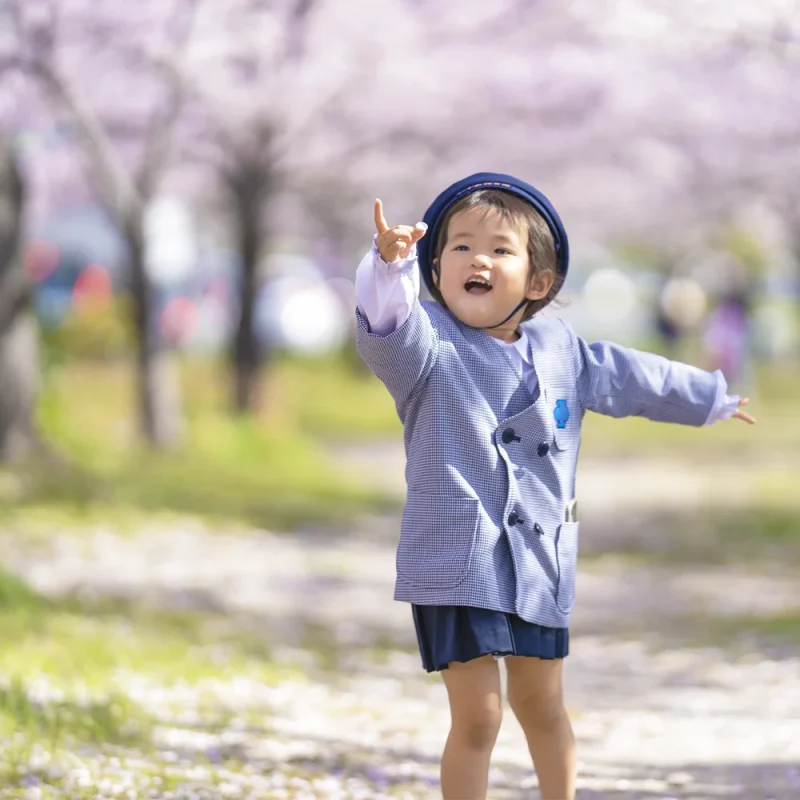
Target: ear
[(540, 284), (435, 272)]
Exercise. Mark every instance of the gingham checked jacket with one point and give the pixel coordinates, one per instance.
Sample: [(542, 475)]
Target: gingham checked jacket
[(489, 469)]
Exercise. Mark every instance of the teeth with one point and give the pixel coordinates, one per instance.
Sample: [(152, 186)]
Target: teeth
[(479, 281)]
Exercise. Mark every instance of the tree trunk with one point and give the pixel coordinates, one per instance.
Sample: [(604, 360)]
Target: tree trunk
[(247, 354), (19, 351), (158, 389), (796, 255)]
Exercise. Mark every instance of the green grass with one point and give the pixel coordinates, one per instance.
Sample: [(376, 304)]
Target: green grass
[(77, 641), (65, 667), (778, 627), (270, 470), (112, 719), (741, 634), (329, 399), (754, 537)]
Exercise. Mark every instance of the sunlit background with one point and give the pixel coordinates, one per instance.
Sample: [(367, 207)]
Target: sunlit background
[(200, 482)]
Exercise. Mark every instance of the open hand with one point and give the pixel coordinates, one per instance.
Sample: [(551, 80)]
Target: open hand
[(395, 243), (745, 417)]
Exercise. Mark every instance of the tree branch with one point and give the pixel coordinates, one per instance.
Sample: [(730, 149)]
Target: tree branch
[(158, 144), (360, 70), (114, 181), (36, 59), (297, 29)]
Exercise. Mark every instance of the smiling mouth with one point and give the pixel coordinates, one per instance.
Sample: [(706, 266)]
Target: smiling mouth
[(476, 285)]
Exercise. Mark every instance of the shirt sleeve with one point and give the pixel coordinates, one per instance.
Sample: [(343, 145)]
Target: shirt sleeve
[(725, 405), (386, 293)]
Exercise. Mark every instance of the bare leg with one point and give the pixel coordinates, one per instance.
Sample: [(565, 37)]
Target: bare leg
[(536, 697), (476, 710)]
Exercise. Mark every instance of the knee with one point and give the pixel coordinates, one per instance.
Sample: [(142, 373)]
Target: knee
[(542, 712), (478, 731)]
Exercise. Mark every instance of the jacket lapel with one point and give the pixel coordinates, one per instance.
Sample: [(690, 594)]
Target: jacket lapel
[(544, 371)]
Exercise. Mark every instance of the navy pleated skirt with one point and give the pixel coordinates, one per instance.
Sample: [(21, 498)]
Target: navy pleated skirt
[(463, 633)]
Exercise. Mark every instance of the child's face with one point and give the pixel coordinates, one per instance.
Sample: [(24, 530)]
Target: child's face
[(484, 271)]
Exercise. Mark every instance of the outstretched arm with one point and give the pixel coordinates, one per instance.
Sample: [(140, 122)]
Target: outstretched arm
[(623, 382)]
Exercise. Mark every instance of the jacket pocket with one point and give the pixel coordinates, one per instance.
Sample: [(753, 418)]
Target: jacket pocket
[(567, 561), (437, 538)]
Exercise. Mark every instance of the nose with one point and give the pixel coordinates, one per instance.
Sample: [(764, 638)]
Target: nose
[(480, 261)]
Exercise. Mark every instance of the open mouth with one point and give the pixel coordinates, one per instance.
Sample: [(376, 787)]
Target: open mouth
[(478, 285)]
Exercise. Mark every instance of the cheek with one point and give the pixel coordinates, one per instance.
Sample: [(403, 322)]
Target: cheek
[(448, 283), (522, 274), (448, 273)]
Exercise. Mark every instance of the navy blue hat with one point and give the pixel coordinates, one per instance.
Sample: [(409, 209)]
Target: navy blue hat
[(488, 180)]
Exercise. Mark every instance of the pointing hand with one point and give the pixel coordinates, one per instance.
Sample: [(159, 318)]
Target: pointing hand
[(395, 243)]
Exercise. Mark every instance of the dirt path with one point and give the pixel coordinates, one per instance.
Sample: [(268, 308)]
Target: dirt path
[(654, 718)]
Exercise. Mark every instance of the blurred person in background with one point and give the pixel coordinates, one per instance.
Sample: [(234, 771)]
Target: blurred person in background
[(728, 337), (492, 397)]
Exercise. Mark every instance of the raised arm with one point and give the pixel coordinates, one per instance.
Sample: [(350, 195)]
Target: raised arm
[(394, 335), (387, 279)]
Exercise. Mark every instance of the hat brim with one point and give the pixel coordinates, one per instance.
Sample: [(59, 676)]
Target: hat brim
[(437, 212)]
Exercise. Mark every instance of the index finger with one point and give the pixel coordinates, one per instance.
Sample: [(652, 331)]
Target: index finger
[(380, 220)]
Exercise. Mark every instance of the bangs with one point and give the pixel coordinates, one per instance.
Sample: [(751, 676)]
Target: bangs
[(495, 203)]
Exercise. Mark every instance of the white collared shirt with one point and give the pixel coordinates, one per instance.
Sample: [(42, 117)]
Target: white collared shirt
[(519, 354)]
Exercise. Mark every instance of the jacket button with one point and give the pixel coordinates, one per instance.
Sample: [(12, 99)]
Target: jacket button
[(543, 449), (513, 518), (510, 435), (537, 528)]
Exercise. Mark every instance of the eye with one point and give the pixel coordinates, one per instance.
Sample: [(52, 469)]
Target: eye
[(503, 251), (461, 247)]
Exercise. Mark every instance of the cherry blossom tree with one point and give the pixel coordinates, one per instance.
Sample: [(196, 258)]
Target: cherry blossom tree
[(301, 96), (294, 96), (656, 123), (112, 76), (703, 116)]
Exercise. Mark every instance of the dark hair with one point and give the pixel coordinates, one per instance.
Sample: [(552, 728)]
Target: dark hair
[(517, 212)]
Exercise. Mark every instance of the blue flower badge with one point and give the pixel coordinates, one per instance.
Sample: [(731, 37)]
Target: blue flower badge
[(561, 413)]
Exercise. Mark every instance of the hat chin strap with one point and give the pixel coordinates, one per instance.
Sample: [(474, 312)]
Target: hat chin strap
[(524, 302)]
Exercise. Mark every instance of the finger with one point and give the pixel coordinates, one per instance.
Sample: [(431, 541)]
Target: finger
[(380, 221), (395, 251), (744, 417), (419, 230), (406, 229), (396, 234)]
